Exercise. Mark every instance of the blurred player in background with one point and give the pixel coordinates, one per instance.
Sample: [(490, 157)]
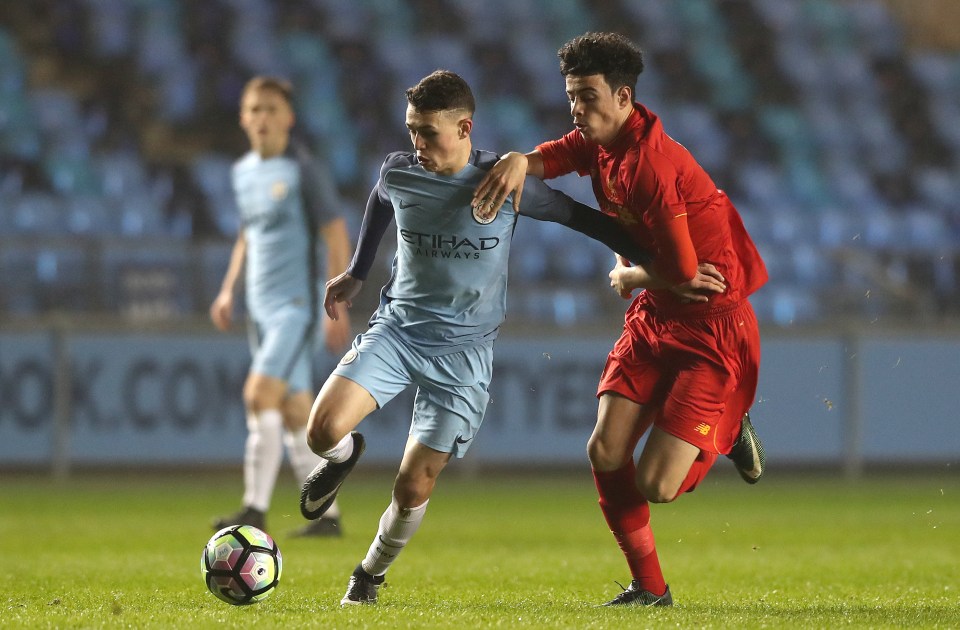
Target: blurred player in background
[(683, 371), (438, 318), (286, 200)]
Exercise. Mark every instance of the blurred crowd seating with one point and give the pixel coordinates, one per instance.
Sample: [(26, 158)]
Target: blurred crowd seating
[(118, 125)]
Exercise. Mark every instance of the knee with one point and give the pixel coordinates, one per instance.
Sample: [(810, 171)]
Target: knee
[(604, 456), (259, 395), (655, 490), (411, 491), (252, 397), (322, 432)]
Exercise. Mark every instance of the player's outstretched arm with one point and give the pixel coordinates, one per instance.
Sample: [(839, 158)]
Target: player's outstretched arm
[(221, 311), (625, 277), (336, 330), (546, 204), (506, 176)]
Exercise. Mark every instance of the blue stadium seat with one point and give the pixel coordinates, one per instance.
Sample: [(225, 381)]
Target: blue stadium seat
[(45, 275), (55, 110), (255, 47), (812, 265), (39, 214), (111, 27), (926, 230), (141, 215), (661, 25), (839, 228), (121, 173), (71, 174), (302, 50), (877, 33), (883, 230), (568, 18), (945, 115), (577, 260), (695, 126), (829, 22), (211, 172), (939, 187), (936, 72), (763, 184), (91, 215), (350, 20), (792, 306), (823, 191)]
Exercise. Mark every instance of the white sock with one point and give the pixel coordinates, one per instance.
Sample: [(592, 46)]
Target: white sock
[(397, 527), (262, 457), (341, 452), (303, 461)]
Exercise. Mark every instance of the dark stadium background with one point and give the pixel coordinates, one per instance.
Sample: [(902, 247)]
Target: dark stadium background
[(833, 125)]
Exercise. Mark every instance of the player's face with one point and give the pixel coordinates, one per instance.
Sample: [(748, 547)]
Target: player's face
[(598, 112), (440, 139), (267, 118)]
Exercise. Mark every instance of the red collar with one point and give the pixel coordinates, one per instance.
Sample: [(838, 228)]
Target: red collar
[(634, 128)]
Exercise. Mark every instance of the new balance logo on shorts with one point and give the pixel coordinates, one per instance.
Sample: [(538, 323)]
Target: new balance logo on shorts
[(703, 428)]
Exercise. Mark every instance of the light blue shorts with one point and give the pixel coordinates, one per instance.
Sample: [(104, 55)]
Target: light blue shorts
[(283, 346), (452, 389)]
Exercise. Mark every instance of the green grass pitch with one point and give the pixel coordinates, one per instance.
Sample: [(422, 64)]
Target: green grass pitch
[(529, 551)]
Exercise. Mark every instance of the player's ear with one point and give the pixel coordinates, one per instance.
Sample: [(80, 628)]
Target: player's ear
[(624, 96), (465, 127)]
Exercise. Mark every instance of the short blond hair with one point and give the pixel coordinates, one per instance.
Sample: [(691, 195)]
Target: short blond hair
[(274, 84)]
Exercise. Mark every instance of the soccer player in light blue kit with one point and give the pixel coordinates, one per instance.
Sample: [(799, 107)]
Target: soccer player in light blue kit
[(286, 201), (438, 318)]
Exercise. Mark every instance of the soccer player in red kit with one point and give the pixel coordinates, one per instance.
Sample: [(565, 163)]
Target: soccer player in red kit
[(684, 372)]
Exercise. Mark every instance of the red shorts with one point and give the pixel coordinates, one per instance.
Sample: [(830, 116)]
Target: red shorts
[(699, 373)]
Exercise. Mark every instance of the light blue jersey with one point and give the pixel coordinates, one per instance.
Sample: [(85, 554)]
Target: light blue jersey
[(282, 200), (448, 288)]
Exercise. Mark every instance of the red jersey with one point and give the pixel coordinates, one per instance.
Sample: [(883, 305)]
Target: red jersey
[(669, 204)]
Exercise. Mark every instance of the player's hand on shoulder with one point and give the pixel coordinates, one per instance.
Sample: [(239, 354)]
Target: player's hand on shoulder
[(221, 311), (504, 177), (342, 288)]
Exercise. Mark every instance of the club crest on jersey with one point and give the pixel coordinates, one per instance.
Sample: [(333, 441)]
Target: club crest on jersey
[(481, 219), (279, 190), (349, 357)]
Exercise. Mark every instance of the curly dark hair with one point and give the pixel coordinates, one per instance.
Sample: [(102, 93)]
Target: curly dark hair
[(614, 56), (441, 90)]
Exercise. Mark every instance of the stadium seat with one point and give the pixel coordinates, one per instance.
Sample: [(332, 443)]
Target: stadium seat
[(829, 166), (39, 214), (91, 215), (111, 28)]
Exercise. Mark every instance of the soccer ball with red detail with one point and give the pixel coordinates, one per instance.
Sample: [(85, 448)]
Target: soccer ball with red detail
[(241, 565)]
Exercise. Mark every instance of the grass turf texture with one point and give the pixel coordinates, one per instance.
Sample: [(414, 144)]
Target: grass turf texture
[(122, 550)]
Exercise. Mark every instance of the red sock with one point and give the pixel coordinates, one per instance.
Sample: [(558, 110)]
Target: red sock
[(698, 470), (628, 515)]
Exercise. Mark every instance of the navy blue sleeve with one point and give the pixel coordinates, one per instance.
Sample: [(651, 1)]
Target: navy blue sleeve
[(320, 197), (543, 203), (376, 219)]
